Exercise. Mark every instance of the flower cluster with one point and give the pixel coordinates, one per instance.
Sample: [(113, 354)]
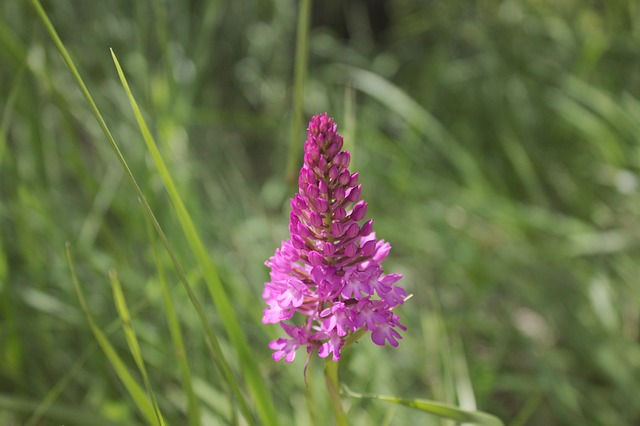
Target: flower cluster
[(327, 277)]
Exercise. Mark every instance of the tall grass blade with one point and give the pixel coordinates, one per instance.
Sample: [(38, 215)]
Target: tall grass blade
[(464, 388), (421, 120), (48, 401), (218, 293), (212, 342), (193, 406), (132, 340), (299, 77), (436, 408), (595, 129), (135, 391), (349, 127), (63, 414), (8, 110)]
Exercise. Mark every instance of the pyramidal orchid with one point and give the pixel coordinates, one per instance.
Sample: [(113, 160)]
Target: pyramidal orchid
[(326, 281)]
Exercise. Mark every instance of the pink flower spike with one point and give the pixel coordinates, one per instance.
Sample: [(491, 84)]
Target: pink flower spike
[(327, 278)]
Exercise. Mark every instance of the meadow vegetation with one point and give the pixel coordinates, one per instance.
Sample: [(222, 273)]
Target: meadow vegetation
[(498, 145)]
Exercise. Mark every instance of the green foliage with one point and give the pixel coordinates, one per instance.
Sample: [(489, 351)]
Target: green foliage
[(497, 143)]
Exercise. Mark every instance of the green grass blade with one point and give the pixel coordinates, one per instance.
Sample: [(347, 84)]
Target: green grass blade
[(135, 391), (132, 340), (420, 119), (218, 293), (300, 73), (8, 110), (192, 237), (212, 343), (47, 403), (594, 128), (436, 408), (85, 92), (63, 414), (349, 127), (193, 406), (464, 388)]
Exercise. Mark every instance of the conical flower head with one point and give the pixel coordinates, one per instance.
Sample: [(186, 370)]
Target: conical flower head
[(327, 279)]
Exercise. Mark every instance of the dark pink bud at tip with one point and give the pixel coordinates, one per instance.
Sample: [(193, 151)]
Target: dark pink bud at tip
[(310, 176), (322, 187), (315, 219), (298, 205), (354, 194), (353, 180), (332, 150), (323, 126), (328, 249), (347, 159), (366, 228), (302, 230), (311, 157), (342, 159), (311, 191), (322, 205), (339, 193), (339, 213), (359, 211), (300, 202), (333, 172), (294, 207), (322, 162), (297, 241), (315, 258), (368, 248), (344, 177), (353, 230), (337, 229)]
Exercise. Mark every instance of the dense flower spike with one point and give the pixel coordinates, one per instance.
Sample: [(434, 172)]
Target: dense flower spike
[(327, 277)]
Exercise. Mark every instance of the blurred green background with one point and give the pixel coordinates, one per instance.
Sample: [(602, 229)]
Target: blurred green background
[(497, 143)]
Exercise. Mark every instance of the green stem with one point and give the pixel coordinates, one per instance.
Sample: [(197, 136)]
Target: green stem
[(333, 387)]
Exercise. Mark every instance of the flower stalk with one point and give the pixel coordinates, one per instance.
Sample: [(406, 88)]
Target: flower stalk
[(332, 381)]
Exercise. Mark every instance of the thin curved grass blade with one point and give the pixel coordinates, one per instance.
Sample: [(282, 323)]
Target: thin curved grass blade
[(227, 314), (135, 390), (436, 408), (212, 342), (193, 405), (398, 101), (132, 340), (59, 413)]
